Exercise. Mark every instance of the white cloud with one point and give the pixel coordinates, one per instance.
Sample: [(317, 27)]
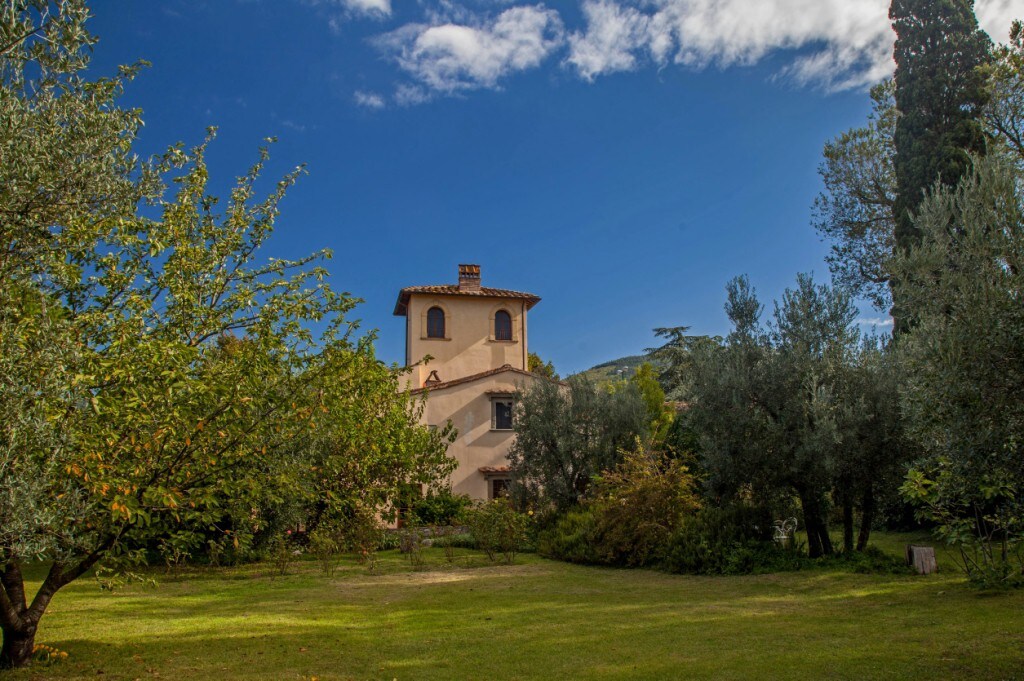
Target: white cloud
[(410, 95), (851, 41), (338, 12), (370, 100), (995, 17), (875, 321), (845, 43), (614, 34), (449, 57), (380, 7)]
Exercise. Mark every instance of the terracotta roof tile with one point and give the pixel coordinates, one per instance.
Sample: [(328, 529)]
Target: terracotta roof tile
[(453, 290), (482, 374)]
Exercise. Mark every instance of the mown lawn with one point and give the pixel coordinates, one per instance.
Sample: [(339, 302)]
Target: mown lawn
[(537, 619)]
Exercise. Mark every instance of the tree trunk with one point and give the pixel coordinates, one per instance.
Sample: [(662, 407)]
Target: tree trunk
[(867, 518), (18, 645), (818, 542), (847, 524)]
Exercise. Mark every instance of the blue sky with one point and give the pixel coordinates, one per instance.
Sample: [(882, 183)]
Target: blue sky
[(622, 159)]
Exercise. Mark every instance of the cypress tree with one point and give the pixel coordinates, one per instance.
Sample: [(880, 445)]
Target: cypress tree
[(939, 95)]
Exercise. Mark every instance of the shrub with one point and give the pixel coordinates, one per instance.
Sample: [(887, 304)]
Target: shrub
[(728, 540), (636, 508), (497, 528), (639, 504), (389, 540), (572, 538), (439, 507), (364, 536), (283, 551), (413, 540), (325, 544)]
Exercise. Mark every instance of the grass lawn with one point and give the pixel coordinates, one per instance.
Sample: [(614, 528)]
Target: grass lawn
[(537, 619)]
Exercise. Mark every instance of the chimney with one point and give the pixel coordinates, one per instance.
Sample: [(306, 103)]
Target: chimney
[(469, 277)]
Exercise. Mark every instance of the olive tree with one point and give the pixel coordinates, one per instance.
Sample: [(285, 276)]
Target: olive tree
[(965, 367), (566, 435)]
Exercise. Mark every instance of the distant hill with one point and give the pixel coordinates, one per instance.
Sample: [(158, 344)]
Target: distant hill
[(616, 369)]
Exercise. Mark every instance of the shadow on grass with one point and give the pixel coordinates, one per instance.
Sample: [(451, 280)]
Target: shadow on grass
[(539, 619)]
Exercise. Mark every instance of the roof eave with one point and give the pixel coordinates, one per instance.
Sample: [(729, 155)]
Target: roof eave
[(402, 304)]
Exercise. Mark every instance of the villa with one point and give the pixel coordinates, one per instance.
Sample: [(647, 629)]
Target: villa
[(475, 338)]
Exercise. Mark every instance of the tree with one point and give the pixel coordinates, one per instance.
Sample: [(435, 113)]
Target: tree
[(154, 373), (767, 403), (371, 451), (567, 435), (638, 504), (1004, 109), (965, 367), (940, 94), (874, 451), (856, 209), (676, 356), (660, 416), (540, 367)]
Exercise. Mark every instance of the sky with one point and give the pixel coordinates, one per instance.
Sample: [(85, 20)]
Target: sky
[(622, 159)]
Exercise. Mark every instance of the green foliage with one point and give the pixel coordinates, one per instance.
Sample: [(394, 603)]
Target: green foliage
[(615, 370), (325, 544), (283, 551), (540, 367), (439, 507), (767, 403), (676, 357), (389, 540), (856, 209), (572, 537), (160, 379), (443, 537), (940, 93), (965, 367), (659, 414), (1004, 108), (731, 540), (638, 505), (565, 435), (414, 539), (628, 520), (497, 528)]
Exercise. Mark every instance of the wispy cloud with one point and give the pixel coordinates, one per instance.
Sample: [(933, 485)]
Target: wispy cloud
[(461, 45), (614, 37), (370, 100), (851, 42), (452, 57), (875, 321), (844, 44), (338, 12), (380, 7), (292, 125)]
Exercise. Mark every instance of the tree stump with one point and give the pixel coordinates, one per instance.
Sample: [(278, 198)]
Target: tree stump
[(922, 558)]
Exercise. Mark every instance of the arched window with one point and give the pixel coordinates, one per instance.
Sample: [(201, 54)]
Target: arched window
[(435, 323), (502, 326)]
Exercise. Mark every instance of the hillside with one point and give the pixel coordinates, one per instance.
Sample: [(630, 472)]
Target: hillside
[(621, 368)]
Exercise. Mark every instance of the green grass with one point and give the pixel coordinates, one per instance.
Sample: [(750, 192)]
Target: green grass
[(537, 619)]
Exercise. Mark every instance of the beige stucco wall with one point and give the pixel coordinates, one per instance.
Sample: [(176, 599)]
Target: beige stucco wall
[(468, 405), (469, 347)]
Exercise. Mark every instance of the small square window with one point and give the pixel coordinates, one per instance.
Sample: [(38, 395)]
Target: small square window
[(501, 413)]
